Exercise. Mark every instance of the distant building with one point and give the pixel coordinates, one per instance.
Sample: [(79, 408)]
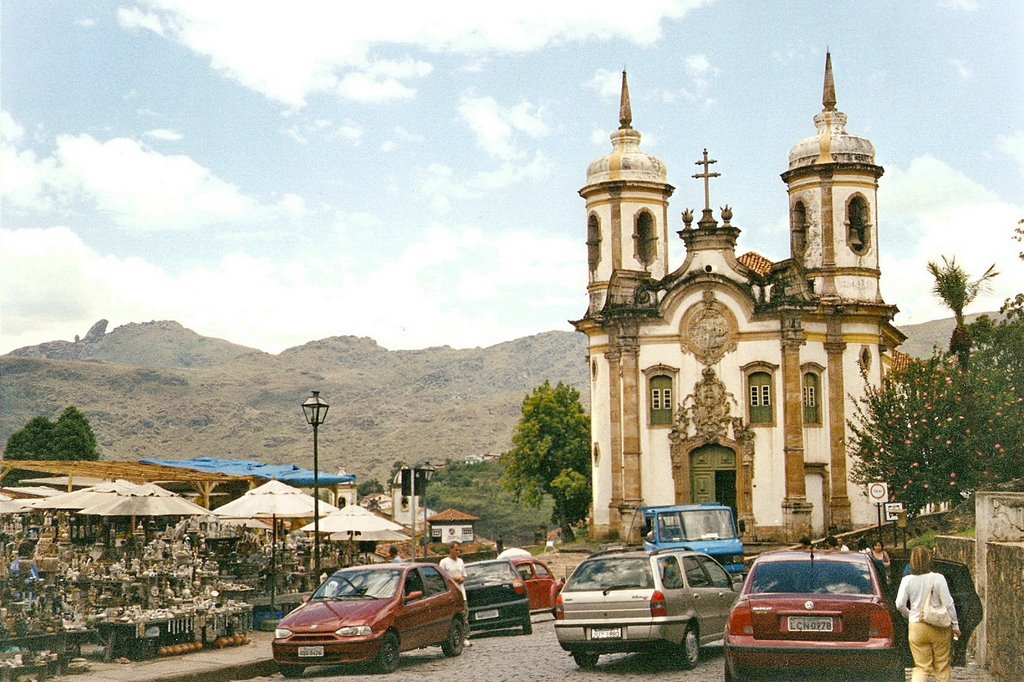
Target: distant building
[(731, 378), (452, 525)]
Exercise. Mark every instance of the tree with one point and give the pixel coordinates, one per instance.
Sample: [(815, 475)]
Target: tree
[(72, 437), (370, 487), (937, 428), (69, 438), (956, 290), (551, 454)]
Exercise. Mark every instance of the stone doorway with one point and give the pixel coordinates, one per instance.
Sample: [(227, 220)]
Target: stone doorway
[(713, 469)]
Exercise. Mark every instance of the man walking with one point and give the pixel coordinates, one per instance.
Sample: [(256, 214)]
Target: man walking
[(454, 566)]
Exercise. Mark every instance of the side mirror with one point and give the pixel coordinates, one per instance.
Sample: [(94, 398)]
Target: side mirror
[(414, 595), (743, 526)]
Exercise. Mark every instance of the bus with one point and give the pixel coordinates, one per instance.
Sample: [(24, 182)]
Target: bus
[(707, 528)]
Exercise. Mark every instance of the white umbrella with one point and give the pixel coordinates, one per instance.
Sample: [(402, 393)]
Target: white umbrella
[(273, 499), (86, 497), (148, 499), (10, 506), (513, 552), (372, 536), (354, 519)]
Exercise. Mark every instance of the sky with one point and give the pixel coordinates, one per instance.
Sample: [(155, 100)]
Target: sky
[(272, 173)]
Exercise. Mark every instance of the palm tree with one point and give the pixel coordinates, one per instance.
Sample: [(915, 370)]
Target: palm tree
[(954, 287)]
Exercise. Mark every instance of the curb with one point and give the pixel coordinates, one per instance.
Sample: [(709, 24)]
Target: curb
[(241, 671)]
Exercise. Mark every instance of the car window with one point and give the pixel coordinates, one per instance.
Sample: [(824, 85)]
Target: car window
[(611, 573), (524, 570), (812, 577), (541, 571), (359, 584), (719, 578), (694, 573), (671, 575), (490, 572), (413, 582), (433, 581)]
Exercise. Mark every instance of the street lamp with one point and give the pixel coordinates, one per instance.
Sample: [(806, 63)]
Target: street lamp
[(418, 478), (315, 410)]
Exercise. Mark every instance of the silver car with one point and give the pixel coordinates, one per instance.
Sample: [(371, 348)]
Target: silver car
[(672, 601)]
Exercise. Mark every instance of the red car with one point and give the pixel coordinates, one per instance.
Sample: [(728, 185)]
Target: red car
[(812, 612), (542, 587), (370, 614)]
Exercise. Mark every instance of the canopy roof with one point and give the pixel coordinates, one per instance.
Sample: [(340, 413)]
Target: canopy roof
[(286, 473)]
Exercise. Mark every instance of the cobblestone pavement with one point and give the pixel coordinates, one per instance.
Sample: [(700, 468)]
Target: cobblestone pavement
[(507, 656)]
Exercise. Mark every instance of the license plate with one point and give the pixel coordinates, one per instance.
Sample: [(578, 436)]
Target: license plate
[(810, 624), (487, 615), (311, 652), (606, 633)]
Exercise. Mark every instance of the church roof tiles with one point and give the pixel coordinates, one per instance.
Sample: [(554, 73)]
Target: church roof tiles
[(756, 262)]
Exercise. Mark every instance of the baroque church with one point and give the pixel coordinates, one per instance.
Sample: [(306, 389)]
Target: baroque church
[(731, 378)]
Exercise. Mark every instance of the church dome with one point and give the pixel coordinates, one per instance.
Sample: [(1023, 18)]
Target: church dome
[(626, 162), (831, 144)]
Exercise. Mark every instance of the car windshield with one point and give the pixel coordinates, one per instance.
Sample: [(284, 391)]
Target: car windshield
[(360, 584), (811, 577), (490, 573), (697, 524), (611, 573)]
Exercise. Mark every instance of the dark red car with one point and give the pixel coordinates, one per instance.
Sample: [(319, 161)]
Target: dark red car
[(370, 614), (813, 613), (542, 587)]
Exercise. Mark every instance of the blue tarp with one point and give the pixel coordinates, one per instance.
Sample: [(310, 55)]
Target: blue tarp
[(286, 473)]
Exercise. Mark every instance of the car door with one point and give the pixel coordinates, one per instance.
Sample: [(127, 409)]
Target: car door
[(414, 617), (678, 595), (542, 586), (724, 594), (703, 594), (440, 605)]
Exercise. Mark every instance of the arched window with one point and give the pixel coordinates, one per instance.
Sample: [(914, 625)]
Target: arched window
[(858, 221), (760, 397), (798, 228), (593, 242), (661, 399), (812, 398), (646, 238)]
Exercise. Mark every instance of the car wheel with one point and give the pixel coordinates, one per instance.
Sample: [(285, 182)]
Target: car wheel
[(456, 640), (527, 626), (585, 659), (291, 671), (386, 660), (690, 650)]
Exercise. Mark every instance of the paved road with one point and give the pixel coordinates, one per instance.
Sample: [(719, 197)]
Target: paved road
[(498, 657)]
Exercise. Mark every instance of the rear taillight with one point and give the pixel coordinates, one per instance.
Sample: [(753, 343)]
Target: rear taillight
[(519, 586), (659, 607), (559, 608), (741, 620), (880, 624)]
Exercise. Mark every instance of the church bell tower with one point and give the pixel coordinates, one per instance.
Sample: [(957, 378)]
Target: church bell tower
[(833, 210)]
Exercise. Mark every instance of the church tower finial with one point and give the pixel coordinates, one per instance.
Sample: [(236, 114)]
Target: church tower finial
[(625, 111), (828, 96)]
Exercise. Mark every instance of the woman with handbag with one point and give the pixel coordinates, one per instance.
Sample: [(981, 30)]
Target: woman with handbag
[(925, 601)]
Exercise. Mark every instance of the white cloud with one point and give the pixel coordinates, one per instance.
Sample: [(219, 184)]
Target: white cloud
[(440, 185), (452, 283), (164, 134), (289, 51), (961, 69), (607, 84), (1013, 144), (85, 23), (132, 18), (495, 126), (960, 5), (131, 184), (930, 210)]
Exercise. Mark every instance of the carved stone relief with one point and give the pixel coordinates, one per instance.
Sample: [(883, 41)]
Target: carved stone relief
[(709, 329)]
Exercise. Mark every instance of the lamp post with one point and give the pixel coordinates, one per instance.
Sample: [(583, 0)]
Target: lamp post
[(414, 482), (315, 410)]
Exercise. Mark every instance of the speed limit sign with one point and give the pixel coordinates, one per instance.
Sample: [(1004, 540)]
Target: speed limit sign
[(878, 492)]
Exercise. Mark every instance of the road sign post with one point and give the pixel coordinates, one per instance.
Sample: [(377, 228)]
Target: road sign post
[(878, 492)]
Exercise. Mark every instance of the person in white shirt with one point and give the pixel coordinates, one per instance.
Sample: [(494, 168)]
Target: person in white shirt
[(930, 645), (455, 567)]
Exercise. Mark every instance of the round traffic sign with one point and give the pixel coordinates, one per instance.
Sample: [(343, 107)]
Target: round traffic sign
[(878, 491)]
